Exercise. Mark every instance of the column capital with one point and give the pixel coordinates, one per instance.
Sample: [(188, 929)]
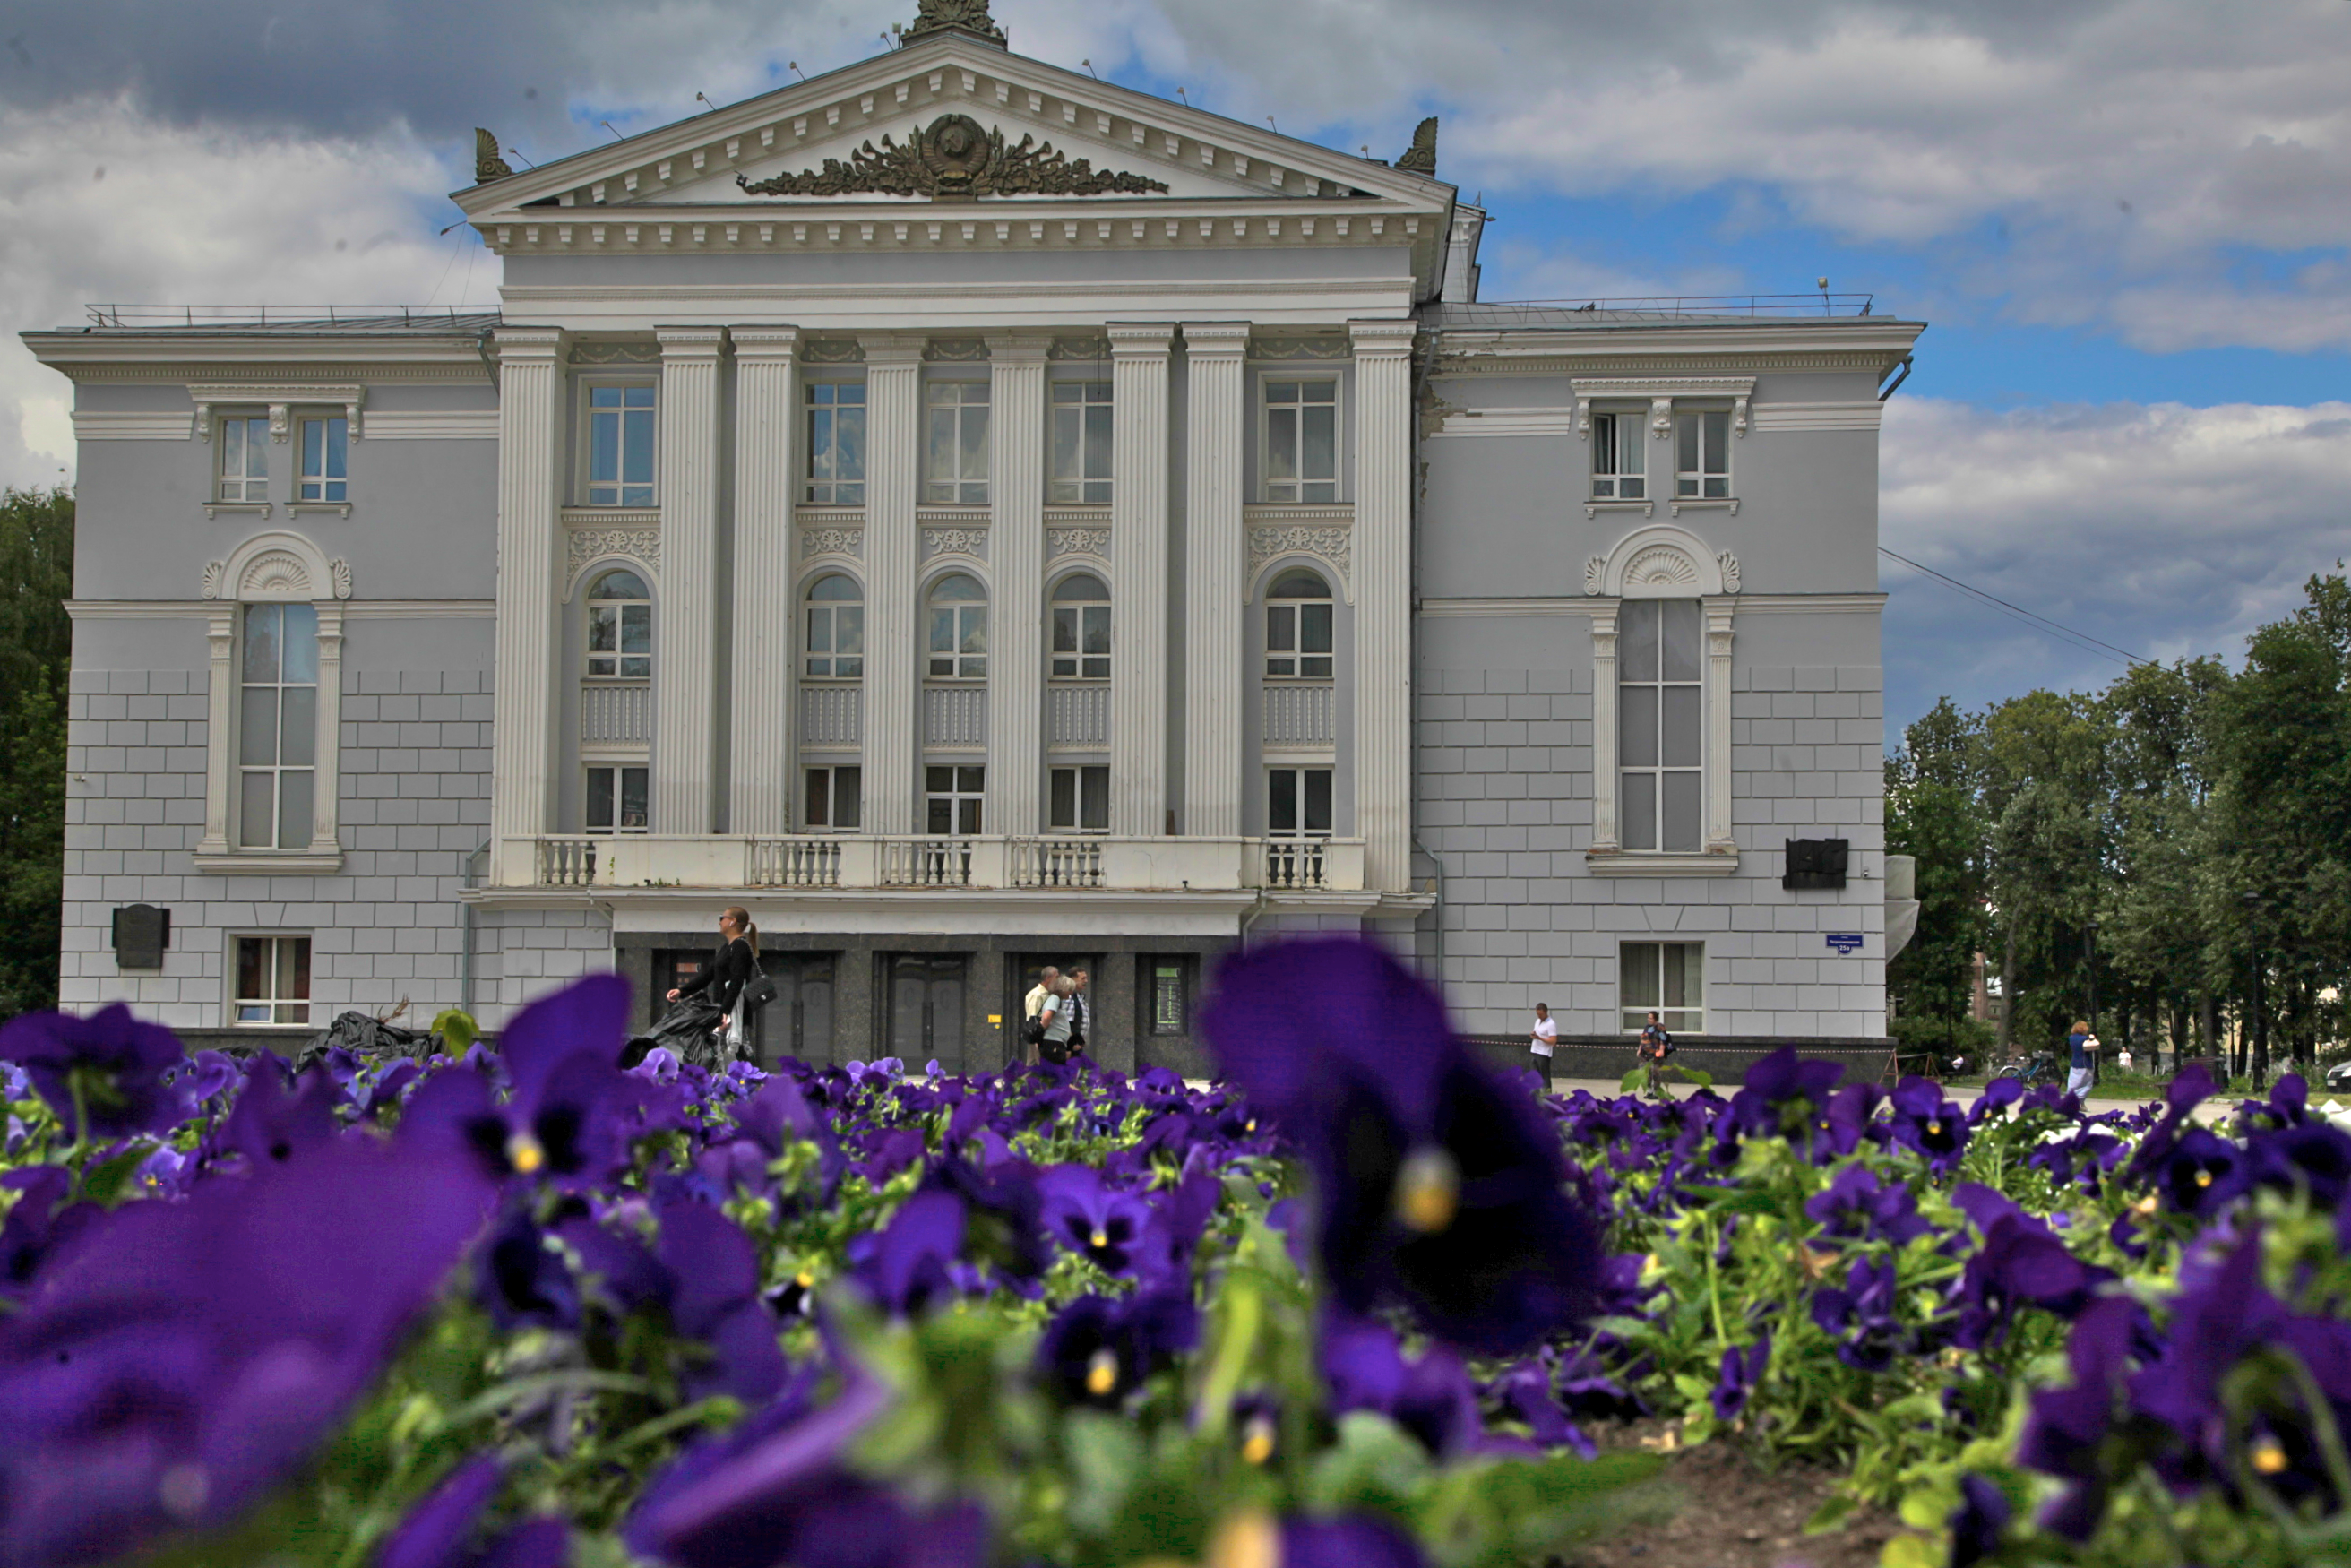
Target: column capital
[(531, 342), (1140, 340), (1375, 339), (690, 342), (1017, 346), (1221, 339), (892, 348), (766, 342)]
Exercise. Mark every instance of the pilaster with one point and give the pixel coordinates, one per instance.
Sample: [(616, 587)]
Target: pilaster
[(1382, 548), (1718, 839), (685, 646), (1215, 436), (531, 401), (220, 710), (894, 375), (1015, 664), (1138, 566), (767, 611), (1605, 786)]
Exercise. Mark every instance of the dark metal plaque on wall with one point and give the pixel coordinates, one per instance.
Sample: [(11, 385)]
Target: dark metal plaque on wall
[(142, 932)]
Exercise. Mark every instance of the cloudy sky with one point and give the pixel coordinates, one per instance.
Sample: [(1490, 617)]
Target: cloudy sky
[(2129, 221)]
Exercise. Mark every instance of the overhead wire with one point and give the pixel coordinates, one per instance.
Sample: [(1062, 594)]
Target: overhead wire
[(2041, 624)]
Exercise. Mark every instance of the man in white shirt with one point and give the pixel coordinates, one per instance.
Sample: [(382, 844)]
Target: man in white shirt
[(1543, 1038), (1033, 1004)]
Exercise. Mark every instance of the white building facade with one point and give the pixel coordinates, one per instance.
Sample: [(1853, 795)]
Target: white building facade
[(975, 516)]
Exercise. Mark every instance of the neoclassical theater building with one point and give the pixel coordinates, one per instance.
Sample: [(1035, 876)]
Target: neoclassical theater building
[(976, 516)]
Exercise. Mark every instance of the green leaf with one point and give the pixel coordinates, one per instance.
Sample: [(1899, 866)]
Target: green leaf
[(1106, 1458), (1630, 1082), (1830, 1515), (107, 1183), (457, 1030)]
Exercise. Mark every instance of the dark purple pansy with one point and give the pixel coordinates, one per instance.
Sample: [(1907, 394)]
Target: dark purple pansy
[(1352, 1541), (1431, 1398), (2202, 1172), (1525, 1390), (125, 1071), (2067, 1429), (1100, 1349), (1861, 1316), (521, 1279), (1979, 1522), (1439, 1188), (273, 1122), (36, 1226), (1780, 1084), (440, 1530), (1742, 1373), (1931, 1124), (562, 1122), (904, 1266), (715, 1299), (1086, 1216)]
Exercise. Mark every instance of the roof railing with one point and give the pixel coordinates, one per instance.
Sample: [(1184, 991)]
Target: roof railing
[(1820, 304), (114, 315)]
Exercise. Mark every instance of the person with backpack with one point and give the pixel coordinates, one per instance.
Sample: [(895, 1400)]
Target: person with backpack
[(1032, 1031), (1654, 1047), (1054, 1044)]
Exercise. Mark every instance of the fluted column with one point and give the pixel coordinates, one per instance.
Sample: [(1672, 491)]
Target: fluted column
[(1382, 550), (1719, 836), (686, 647), (1215, 432), (1015, 555), (1604, 785), (766, 613), (529, 637), (1138, 570), (894, 376)]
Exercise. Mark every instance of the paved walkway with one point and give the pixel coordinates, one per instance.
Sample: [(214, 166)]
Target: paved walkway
[(2211, 1110)]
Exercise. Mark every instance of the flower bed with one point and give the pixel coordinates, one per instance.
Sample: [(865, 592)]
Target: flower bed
[(531, 1308)]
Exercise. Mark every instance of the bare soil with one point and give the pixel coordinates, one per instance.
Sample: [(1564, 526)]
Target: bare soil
[(1715, 1506)]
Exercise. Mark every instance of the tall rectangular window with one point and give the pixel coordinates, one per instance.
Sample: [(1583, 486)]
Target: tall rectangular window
[(1079, 800), (244, 459), (325, 447), (278, 727), (1702, 455), (1297, 802), (836, 443), (1080, 443), (1302, 441), (955, 444), (951, 798), (833, 798), (621, 446), (617, 800), (1665, 978), (273, 980), (1619, 461), (1658, 729)]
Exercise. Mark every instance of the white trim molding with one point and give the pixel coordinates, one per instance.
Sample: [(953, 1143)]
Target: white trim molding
[(1865, 415), (1522, 422), (278, 398), (108, 425), (1661, 561), (435, 424), (1659, 393)]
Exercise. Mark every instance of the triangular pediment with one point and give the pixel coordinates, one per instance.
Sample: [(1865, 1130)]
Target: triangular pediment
[(1042, 134)]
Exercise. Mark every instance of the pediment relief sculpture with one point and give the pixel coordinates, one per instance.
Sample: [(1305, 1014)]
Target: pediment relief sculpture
[(955, 159)]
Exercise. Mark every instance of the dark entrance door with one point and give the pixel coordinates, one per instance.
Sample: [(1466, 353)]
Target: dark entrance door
[(925, 1011), (799, 1022), (1026, 969)]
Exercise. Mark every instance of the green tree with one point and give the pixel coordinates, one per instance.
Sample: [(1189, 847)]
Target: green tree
[(1934, 813), (37, 542)]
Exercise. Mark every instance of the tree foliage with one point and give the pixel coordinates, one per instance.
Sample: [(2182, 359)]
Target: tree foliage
[(37, 541)]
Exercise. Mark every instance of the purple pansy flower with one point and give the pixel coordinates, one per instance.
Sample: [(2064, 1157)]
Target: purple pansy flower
[(1926, 1122), (561, 1123), (125, 1071), (521, 1280), (1978, 1522), (438, 1531), (715, 1299), (1098, 1350), (1083, 1214), (1430, 1398), (36, 1226), (1742, 1373), (904, 1266), (1352, 1541), (1862, 1316), (2068, 1428)]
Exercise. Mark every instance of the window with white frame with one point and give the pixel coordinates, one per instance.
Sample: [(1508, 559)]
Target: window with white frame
[(1078, 800), (1297, 614), (1619, 460), (1702, 455), (1080, 628), (244, 446), (325, 449), (618, 798), (1667, 978), (1297, 802), (832, 797), (278, 727), (951, 799), (955, 444), (1302, 441), (619, 626), (1660, 725), (1080, 441), (273, 980), (958, 630), (836, 443), (620, 437), (836, 629)]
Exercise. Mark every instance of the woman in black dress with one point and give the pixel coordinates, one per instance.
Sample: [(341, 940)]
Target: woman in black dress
[(724, 976)]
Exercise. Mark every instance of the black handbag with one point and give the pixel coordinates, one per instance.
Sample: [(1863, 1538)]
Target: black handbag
[(757, 991)]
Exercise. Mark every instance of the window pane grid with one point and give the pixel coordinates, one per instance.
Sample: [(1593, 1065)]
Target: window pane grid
[(273, 980), (832, 799), (245, 460), (1080, 630), (836, 443), (621, 433), (1079, 800), (951, 799), (1302, 441), (1297, 628), (1665, 977), (1702, 455), (617, 801), (1659, 726), (278, 727), (836, 630), (957, 644), (325, 445), (1619, 462), (956, 443), (1079, 444), (1297, 802)]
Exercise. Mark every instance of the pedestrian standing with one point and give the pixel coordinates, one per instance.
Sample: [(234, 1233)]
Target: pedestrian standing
[(1543, 1040), (1082, 1010), (1654, 1047), (724, 976), (2082, 1057), (1030, 1006), (1053, 1045)]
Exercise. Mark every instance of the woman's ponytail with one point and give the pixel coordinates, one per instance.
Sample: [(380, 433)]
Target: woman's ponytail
[(750, 933)]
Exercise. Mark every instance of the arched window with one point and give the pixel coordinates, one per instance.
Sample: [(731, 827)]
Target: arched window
[(619, 626), (958, 641), (836, 628), (1298, 627), (1082, 628)]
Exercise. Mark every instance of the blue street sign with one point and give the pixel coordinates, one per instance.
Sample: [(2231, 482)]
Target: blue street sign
[(1845, 941)]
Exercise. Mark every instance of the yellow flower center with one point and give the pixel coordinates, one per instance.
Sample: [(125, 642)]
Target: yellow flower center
[(804, 1280), (2145, 1205), (1934, 1128), (523, 1152), (1252, 1125), (1101, 1237), (1256, 1440), (2268, 1457), (2203, 1179), (1247, 1539), (1428, 1191), (1101, 1372)]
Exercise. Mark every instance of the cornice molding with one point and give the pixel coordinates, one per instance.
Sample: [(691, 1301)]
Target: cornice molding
[(146, 368), (1748, 604), (353, 609)]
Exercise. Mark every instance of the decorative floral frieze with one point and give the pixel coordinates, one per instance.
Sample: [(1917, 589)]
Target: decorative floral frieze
[(1078, 349), (1661, 566), (1299, 347), (616, 353), (1729, 564), (640, 545), (1595, 576), (954, 158), (832, 541), (956, 349), (833, 352), (954, 542), (1335, 545), (1077, 539)]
